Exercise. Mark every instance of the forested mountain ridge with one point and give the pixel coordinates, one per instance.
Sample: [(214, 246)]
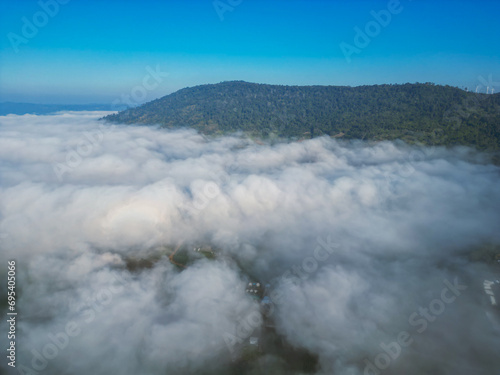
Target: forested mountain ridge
[(426, 113)]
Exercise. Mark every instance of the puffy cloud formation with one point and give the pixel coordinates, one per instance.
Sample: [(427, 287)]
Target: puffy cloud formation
[(366, 246)]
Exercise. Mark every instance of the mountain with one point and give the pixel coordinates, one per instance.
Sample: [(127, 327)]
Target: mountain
[(8, 108), (426, 113)]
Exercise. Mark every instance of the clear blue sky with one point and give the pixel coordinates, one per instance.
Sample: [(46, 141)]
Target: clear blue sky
[(95, 51)]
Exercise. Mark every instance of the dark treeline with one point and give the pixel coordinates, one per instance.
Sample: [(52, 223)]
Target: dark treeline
[(425, 113)]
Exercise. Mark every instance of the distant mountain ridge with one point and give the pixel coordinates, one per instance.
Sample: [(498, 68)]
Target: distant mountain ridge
[(8, 108), (426, 113)]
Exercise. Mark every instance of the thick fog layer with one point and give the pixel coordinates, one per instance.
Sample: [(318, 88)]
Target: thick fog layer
[(366, 247)]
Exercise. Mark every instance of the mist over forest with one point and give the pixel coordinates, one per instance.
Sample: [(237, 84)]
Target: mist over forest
[(365, 245)]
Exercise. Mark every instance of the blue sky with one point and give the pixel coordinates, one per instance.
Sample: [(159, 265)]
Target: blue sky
[(97, 51)]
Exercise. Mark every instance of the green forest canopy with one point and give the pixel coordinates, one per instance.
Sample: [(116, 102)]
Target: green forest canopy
[(426, 113)]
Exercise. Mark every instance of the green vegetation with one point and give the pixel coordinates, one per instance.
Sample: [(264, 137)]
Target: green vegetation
[(487, 253), (180, 256), (425, 113)]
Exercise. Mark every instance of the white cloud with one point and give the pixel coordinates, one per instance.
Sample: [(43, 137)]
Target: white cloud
[(403, 218)]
